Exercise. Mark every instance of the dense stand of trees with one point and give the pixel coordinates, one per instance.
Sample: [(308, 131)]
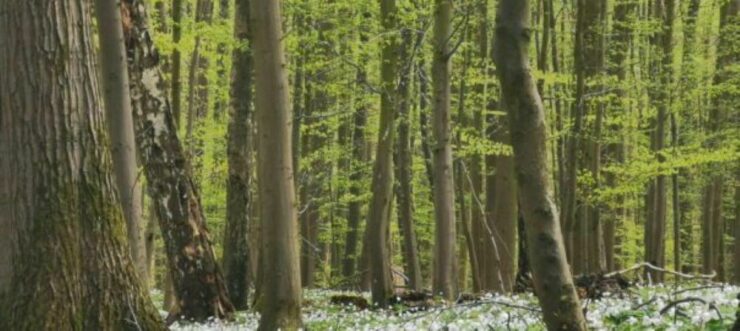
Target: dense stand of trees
[(373, 145)]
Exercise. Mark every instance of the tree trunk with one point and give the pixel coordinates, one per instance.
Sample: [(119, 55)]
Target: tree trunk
[(504, 215), (589, 61), (552, 279), (404, 196), (281, 284), (707, 243), (656, 225), (382, 181), (444, 280), (120, 125), (355, 178), (176, 93), (70, 266), (197, 279), (238, 195), (736, 252), (198, 91), (478, 215), (619, 47)]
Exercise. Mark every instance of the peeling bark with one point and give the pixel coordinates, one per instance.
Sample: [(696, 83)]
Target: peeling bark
[(197, 279)]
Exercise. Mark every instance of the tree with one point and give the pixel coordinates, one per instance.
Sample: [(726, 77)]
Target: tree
[(120, 125), (281, 283), (239, 199), (197, 279), (444, 280), (176, 81), (552, 278), (655, 224), (378, 227), (67, 224), (404, 162)]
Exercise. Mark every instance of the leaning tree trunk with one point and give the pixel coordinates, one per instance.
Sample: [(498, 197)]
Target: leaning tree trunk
[(197, 279), (382, 181), (238, 196), (281, 283), (70, 267), (120, 125), (552, 278), (444, 280)]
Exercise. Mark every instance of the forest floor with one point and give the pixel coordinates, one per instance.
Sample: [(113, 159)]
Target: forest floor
[(687, 306)]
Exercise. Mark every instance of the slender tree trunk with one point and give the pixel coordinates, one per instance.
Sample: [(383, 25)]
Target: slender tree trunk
[(656, 225), (404, 195), (355, 178), (238, 195), (552, 279), (150, 244), (444, 280), (382, 181), (504, 215), (676, 202), (120, 125), (197, 279), (736, 252), (619, 48), (176, 93), (478, 215), (70, 266), (708, 236), (280, 250)]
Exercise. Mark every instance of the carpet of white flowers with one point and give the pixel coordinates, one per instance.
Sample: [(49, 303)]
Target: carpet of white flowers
[(662, 307)]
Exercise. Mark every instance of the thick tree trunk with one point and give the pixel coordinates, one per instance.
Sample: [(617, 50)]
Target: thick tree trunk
[(281, 284), (552, 279), (197, 279), (444, 280), (404, 196), (120, 125), (382, 182), (70, 267), (238, 194)]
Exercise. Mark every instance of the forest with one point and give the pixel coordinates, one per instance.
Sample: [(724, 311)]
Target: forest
[(369, 165)]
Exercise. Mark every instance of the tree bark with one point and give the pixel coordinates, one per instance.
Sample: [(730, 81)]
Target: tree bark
[(552, 279), (281, 285), (656, 225), (404, 196), (736, 252), (176, 93), (355, 177), (70, 266), (382, 181), (619, 48), (444, 280), (238, 194), (504, 215), (197, 279), (120, 125)]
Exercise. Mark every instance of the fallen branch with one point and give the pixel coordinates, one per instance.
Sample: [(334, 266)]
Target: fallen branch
[(653, 267), (691, 299)]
